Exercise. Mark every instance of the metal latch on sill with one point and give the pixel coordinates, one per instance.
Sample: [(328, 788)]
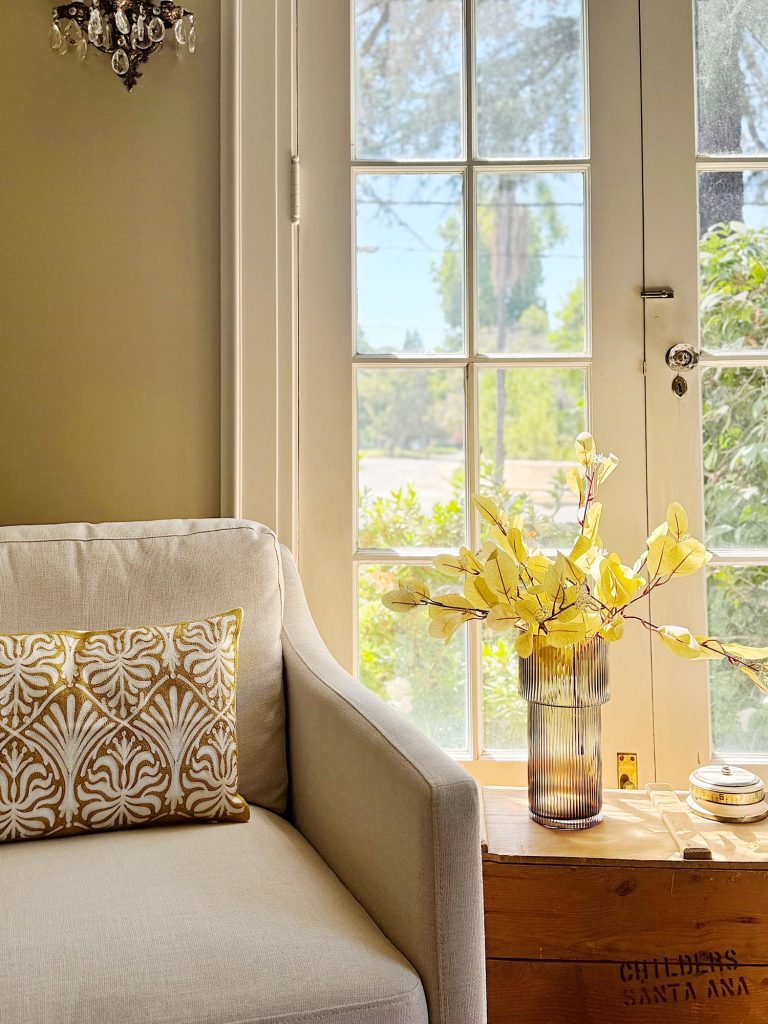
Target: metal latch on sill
[(626, 770)]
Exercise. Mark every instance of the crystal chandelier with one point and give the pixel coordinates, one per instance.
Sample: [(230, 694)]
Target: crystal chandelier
[(128, 31)]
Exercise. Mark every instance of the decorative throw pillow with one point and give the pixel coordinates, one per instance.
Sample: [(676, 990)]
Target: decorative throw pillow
[(119, 727)]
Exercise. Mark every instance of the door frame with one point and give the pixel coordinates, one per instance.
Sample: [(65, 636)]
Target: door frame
[(259, 364)]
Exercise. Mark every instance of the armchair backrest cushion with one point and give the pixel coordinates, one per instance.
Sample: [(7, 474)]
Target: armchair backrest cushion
[(84, 577)]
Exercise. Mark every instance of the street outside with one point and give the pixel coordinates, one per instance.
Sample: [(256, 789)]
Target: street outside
[(431, 479)]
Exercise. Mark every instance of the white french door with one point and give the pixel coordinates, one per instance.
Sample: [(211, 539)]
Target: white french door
[(470, 266), (705, 105)]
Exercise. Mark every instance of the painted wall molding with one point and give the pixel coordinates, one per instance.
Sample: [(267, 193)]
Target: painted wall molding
[(258, 248)]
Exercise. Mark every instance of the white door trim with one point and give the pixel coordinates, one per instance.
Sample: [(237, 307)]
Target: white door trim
[(258, 360)]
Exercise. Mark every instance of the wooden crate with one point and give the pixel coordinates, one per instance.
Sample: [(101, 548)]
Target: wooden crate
[(610, 925)]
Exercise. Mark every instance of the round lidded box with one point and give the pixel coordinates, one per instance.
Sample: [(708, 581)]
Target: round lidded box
[(723, 792)]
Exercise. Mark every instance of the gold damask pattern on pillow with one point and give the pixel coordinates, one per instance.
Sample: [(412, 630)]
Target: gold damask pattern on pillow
[(120, 727)]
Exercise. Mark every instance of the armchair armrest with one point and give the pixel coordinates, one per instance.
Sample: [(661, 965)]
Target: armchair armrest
[(395, 818)]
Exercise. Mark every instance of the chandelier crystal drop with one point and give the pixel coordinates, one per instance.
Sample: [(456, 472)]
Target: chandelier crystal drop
[(120, 63), (55, 37), (122, 21), (127, 31)]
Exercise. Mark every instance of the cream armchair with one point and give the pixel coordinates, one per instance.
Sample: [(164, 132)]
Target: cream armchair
[(354, 893)]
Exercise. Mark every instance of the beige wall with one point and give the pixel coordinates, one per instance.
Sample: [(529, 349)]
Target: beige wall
[(109, 279)]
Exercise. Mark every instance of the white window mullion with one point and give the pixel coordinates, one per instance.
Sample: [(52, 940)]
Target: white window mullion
[(475, 660), (472, 475)]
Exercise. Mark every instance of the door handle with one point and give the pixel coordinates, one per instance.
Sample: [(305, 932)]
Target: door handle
[(681, 358)]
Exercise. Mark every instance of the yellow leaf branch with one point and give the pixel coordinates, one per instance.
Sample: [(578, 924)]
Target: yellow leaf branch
[(571, 599)]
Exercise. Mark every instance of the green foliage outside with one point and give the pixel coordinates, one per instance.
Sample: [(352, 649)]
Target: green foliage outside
[(424, 680), (734, 304), (410, 412), (738, 609), (734, 299)]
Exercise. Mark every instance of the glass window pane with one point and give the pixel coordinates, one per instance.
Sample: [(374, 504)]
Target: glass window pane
[(423, 678), (735, 424), (738, 610), (731, 76), (528, 420), (410, 429), (408, 98), (410, 263), (530, 75), (733, 260), (530, 263), (505, 713)]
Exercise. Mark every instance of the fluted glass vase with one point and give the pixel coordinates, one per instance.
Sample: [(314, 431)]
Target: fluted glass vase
[(565, 689)]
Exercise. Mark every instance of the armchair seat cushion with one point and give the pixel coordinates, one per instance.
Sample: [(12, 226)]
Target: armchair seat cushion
[(201, 924)]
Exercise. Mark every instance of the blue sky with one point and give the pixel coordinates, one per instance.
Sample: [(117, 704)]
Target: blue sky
[(397, 256)]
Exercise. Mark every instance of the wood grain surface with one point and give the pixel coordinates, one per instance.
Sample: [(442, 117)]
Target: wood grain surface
[(527, 992), (631, 832), (610, 925), (580, 912)]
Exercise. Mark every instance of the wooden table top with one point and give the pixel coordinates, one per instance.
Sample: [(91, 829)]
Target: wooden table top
[(631, 833)]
